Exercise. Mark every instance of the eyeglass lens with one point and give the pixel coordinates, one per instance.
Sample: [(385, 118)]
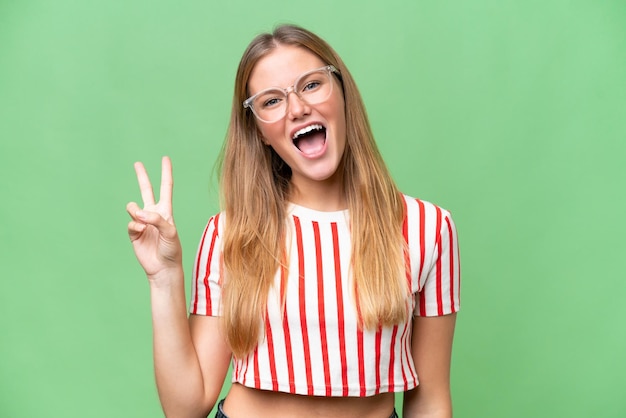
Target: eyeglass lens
[(313, 88)]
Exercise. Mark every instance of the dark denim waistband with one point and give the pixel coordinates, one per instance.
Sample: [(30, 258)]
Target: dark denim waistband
[(220, 412)]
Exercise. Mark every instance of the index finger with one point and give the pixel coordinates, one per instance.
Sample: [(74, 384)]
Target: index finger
[(167, 184), (144, 184)]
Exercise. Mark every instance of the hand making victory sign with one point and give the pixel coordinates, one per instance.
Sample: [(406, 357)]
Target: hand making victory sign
[(152, 230)]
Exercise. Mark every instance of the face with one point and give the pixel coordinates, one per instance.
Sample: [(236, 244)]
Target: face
[(310, 138)]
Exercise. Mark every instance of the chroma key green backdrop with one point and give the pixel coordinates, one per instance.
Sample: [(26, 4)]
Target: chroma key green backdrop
[(508, 113)]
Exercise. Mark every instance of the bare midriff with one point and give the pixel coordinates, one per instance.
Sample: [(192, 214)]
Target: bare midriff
[(244, 402)]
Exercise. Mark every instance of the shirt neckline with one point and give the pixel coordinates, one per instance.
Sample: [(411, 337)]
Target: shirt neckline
[(317, 215)]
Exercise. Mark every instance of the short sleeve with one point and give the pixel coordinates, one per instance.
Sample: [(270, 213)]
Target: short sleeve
[(441, 291), (206, 286)]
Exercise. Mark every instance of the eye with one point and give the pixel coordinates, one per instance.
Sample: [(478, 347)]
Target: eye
[(269, 99), (274, 101), (311, 85)]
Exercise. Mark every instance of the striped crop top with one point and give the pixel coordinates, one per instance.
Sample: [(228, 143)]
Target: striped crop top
[(315, 348)]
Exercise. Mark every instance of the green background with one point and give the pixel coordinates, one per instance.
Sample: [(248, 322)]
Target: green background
[(509, 114)]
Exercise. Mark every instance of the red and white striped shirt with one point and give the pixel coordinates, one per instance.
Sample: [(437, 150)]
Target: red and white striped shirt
[(315, 347)]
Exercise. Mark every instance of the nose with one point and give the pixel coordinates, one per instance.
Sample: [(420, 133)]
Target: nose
[(296, 107)]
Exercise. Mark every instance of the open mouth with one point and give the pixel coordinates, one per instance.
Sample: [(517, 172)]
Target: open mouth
[(311, 139)]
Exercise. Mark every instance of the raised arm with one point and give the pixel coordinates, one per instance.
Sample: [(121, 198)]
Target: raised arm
[(188, 380)]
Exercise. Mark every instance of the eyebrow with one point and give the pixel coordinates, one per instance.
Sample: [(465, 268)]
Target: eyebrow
[(290, 85)]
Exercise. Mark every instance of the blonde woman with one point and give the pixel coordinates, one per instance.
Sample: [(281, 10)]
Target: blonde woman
[(327, 289)]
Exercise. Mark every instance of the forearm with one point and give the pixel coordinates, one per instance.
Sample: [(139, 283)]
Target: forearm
[(416, 405), (432, 354), (177, 370), (444, 413)]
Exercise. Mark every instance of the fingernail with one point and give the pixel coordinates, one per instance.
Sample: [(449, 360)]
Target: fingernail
[(141, 214)]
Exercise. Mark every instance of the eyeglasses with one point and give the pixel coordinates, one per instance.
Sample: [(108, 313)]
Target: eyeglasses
[(312, 87)]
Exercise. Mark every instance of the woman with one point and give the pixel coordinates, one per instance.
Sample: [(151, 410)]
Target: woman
[(326, 287)]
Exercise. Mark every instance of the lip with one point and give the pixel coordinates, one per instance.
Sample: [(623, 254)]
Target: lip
[(304, 125)]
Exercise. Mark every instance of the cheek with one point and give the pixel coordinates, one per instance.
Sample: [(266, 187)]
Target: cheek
[(271, 133), (265, 131), (340, 114), (339, 108)]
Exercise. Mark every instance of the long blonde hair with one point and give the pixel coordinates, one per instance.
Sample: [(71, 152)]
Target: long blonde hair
[(254, 192)]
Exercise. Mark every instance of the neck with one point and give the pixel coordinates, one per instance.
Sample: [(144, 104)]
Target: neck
[(325, 196)]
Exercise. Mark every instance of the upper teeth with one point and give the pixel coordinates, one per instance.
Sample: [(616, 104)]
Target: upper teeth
[(307, 129)]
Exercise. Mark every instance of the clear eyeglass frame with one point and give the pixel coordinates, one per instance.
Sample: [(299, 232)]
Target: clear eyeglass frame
[(249, 102)]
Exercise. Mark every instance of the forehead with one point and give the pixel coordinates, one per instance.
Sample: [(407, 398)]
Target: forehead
[(281, 67)]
